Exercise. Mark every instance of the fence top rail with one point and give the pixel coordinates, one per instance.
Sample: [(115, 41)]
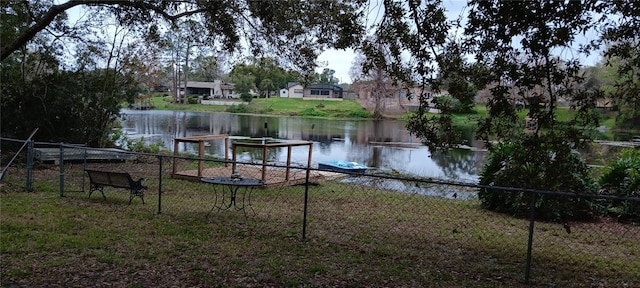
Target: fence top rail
[(12, 139), (422, 180), (511, 189), (278, 144), (196, 139)]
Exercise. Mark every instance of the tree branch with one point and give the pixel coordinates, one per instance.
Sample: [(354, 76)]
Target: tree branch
[(40, 25), (55, 10)]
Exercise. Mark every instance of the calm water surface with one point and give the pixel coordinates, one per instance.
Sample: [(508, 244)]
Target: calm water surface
[(363, 141)]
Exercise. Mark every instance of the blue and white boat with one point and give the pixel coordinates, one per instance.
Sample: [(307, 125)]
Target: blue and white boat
[(343, 166)]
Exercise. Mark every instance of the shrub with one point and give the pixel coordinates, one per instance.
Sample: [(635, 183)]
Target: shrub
[(242, 108), (621, 177), (153, 148), (534, 163), (313, 112), (246, 97), (359, 114), (450, 103), (628, 119), (192, 100), (140, 145)]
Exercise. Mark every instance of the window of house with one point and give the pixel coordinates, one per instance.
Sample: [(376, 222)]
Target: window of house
[(324, 92), (298, 91), (315, 92)]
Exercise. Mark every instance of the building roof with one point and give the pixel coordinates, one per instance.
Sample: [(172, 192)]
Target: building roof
[(209, 85), (325, 87), (291, 84), (198, 84)]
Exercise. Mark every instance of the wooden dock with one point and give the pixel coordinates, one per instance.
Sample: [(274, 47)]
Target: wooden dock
[(80, 154), (274, 176)]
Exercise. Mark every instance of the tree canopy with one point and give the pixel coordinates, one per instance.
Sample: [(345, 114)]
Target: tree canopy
[(523, 51), (225, 23), (265, 73), (327, 77), (526, 51), (115, 45)]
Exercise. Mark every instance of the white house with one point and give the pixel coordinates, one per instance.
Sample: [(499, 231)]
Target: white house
[(293, 90), (215, 89)]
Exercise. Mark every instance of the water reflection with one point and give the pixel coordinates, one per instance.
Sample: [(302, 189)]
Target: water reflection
[(381, 144)]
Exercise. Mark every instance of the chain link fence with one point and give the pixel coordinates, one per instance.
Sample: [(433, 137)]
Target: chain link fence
[(425, 225)]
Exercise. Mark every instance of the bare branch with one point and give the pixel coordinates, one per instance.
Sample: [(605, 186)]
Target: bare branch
[(43, 22), (37, 27)]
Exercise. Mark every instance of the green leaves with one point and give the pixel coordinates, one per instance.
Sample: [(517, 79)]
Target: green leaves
[(542, 163), (251, 76), (621, 177), (326, 77)]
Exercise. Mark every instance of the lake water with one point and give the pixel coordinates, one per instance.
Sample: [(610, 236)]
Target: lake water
[(363, 141)]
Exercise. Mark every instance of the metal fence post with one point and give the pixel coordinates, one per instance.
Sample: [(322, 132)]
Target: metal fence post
[(29, 183), (160, 186), (532, 221), (306, 197), (61, 170), (84, 164)]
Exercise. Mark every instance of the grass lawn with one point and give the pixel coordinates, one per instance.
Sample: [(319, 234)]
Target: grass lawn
[(276, 106), (357, 236), (338, 109), (164, 103)]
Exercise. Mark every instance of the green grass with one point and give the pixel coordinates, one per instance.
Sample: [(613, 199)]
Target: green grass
[(338, 109), (357, 236), (275, 106), (295, 104), (295, 107), (164, 103)]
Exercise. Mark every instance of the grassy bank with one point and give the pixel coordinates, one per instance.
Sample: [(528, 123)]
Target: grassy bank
[(345, 109), (275, 106), (356, 238)]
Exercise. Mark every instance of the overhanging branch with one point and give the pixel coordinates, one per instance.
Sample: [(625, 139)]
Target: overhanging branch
[(44, 21), (37, 27)]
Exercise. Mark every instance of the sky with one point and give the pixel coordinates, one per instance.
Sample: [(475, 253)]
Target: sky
[(341, 60)]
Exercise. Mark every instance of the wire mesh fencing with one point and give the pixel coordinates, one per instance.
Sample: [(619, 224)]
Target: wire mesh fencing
[(444, 224), (414, 226), (16, 168)]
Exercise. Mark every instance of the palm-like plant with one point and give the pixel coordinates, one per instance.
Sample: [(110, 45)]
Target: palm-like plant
[(266, 85)]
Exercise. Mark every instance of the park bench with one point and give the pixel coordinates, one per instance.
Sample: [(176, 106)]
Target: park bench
[(100, 179)]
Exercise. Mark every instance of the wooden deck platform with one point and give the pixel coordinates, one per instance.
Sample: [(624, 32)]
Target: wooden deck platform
[(274, 176)]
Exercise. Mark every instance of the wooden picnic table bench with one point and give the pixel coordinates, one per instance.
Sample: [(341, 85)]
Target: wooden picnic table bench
[(100, 179)]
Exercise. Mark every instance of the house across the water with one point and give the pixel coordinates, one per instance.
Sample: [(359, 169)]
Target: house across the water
[(315, 91), (217, 89)]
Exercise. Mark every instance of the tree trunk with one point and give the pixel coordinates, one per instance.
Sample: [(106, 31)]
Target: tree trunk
[(378, 93), (186, 73)]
